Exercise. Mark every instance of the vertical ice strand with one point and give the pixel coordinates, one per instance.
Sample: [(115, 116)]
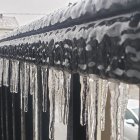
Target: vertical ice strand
[(91, 106), (14, 79), (103, 85), (67, 91), (51, 85), (44, 74), (114, 90), (6, 72), (1, 71), (24, 85), (83, 96), (122, 105)]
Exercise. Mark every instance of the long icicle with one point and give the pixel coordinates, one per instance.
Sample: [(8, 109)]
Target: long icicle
[(83, 96), (1, 71), (103, 92), (44, 73), (14, 79), (6, 72), (33, 71), (67, 91), (92, 114), (51, 84), (122, 105), (114, 90)]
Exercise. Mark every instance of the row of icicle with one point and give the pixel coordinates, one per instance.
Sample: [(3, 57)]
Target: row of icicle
[(94, 91)]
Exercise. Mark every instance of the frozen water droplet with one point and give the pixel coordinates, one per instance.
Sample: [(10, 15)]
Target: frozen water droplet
[(6, 72), (14, 79), (83, 96), (44, 72), (1, 71)]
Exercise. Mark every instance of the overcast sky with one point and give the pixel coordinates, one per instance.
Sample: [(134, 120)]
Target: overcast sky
[(31, 6)]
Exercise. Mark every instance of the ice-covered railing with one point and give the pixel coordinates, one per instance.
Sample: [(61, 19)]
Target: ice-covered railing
[(97, 39), (77, 13)]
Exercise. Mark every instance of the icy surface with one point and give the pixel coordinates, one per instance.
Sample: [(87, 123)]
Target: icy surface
[(14, 78), (6, 72), (1, 71), (74, 11)]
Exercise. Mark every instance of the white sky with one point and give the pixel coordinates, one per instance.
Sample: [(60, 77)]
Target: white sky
[(31, 6)]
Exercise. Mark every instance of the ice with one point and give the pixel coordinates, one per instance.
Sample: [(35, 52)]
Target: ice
[(36, 105), (24, 85), (1, 71), (119, 98), (51, 85), (14, 79), (67, 91), (114, 90), (91, 106), (44, 73), (33, 75), (103, 85), (122, 105), (83, 96), (6, 72)]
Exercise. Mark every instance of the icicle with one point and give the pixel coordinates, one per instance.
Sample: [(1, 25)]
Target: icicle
[(83, 96), (6, 72), (104, 91), (44, 72), (24, 85), (92, 114), (36, 105), (14, 79), (1, 71), (122, 105), (51, 84), (67, 90), (114, 90), (33, 74), (60, 90), (21, 84)]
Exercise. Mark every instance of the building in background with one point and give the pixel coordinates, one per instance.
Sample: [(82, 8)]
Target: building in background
[(7, 24)]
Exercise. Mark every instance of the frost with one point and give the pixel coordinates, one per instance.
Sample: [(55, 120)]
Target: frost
[(14, 79), (6, 72)]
